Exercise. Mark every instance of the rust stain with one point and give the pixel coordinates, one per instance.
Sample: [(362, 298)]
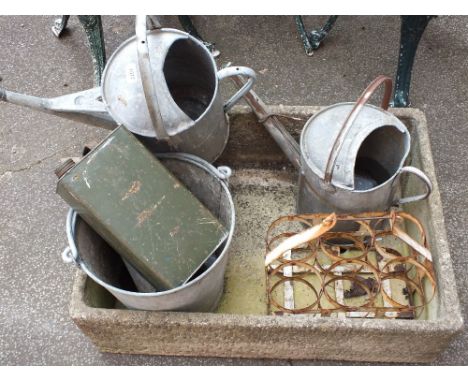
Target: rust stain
[(123, 100), (393, 265), (134, 188), (175, 231), (146, 214)]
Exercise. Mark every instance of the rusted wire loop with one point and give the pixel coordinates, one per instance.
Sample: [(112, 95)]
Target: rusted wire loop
[(349, 308), (306, 309), (307, 256), (278, 270), (424, 270), (301, 238), (279, 221), (407, 281), (398, 230), (332, 248), (387, 252), (361, 263)]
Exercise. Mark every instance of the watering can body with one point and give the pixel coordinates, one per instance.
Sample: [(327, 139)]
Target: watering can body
[(367, 168), (163, 84), (350, 156)]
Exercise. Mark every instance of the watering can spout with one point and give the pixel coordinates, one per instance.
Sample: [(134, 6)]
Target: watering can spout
[(276, 129), (23, 99), (85, 106)]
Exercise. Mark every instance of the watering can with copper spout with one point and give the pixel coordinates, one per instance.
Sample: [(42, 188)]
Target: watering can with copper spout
[(350, 157)]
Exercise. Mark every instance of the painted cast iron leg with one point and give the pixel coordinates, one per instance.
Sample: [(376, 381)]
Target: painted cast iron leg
[(59, 25), (93, 29), (188, 26), (303, 33), (412, 28), (312, 40)]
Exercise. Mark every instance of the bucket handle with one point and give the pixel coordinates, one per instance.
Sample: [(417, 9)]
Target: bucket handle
[(147, 81), (423, 177), (361, 101), (237, 71), (70, 253)]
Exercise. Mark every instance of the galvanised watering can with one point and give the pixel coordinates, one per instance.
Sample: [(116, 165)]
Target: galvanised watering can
[(350, 156), (161, 83)]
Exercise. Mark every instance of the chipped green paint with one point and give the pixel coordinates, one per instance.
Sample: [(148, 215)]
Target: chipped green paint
[(92, 25), (412, 28)]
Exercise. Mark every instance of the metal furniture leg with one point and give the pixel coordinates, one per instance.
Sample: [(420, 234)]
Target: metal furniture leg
[(189, 27), (412, 28), (312, 40), (93, 29), (59, 25), (92, 25)]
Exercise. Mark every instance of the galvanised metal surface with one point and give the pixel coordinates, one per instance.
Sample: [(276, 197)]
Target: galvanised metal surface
[(385, 139), (350, 157), (142, 210), (353, 155), (84, 106), (170, 90), (202, 293), (411, 31), (161, 84)]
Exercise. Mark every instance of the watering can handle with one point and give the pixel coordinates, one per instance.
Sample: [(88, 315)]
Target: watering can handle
[(237, 71), (149, 87), (421, 176), (361, 101)]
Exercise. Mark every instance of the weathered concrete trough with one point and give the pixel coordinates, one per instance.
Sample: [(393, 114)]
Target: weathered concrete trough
[(264, 186)]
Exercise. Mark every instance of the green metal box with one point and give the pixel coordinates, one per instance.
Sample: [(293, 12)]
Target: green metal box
[(148, 216)]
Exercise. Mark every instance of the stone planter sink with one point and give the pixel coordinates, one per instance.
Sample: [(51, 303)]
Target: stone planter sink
[(264, 185)]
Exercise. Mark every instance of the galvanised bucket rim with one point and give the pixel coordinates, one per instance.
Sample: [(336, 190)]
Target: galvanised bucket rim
[(222, 174)]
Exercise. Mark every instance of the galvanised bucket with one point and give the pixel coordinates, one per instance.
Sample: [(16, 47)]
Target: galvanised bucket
[(203, 292)]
